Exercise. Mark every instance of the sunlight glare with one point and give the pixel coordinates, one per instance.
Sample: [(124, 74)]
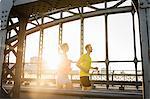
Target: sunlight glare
[(51, 61)]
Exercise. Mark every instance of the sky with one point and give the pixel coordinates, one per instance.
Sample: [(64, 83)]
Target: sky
[(120, 41)]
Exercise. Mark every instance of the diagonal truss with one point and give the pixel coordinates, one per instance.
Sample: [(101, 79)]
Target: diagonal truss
[(9, 69)]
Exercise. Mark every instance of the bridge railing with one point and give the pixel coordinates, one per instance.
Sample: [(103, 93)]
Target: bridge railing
[(116, 77)]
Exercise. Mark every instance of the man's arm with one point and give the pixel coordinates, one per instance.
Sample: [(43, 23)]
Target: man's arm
[(81, 67), (94, 68)]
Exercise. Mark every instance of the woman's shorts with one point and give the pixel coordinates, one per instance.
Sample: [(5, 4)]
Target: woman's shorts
[(85, 82), (62, 79)]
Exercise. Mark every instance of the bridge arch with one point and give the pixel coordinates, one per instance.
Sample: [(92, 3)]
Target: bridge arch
[(19, 27)]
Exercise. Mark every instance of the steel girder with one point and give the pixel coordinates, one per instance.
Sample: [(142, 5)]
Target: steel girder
[(144, 20), (5, 7), (21, 2), (80, 15), (12, 72), (55, 22), (67, 19), (2, 47)]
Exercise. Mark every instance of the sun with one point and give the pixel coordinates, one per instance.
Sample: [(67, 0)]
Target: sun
[(51, 60)]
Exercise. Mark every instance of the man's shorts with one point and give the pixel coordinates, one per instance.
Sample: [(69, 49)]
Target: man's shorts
[(85, 82)]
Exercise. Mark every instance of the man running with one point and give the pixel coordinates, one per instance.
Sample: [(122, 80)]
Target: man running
[(84, 64)]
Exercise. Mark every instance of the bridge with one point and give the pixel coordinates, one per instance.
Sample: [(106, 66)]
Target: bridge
[(19, 19)]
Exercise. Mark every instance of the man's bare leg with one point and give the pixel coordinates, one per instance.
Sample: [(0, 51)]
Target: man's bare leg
[(86, 88), (89, 88), (83, 88)]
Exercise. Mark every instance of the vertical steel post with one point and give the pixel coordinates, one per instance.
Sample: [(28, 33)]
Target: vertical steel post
[(2, 48), (134, 42), (60, 30), (106, 44), (82, 33), (144, 20), (24, 50), (40, 50), (5, 7), (19, 59)]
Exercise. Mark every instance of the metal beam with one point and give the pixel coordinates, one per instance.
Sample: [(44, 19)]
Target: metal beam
[(76, 17), (20, 2), (106, 47), (135, 50), (82, 33), (2, 48), (144, 18), (119, 3), (92, 7), (72, 12), (60, 36), (40, 51), (5, 7), (19, 59)]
